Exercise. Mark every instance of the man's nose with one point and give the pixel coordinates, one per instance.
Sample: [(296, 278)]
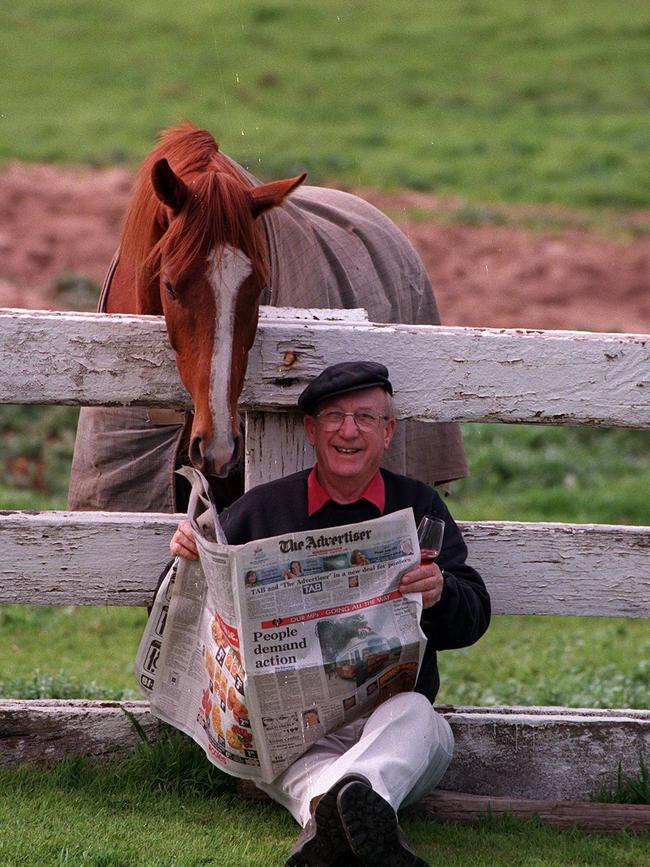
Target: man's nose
[(349, 427)]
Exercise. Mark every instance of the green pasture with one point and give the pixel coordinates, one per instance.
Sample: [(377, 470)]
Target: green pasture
[(491, 101)]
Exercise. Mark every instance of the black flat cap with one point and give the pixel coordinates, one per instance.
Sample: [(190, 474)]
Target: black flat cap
[(341, 379)]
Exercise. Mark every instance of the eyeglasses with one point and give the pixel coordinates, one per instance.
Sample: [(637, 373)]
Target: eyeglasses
[(333, 419)]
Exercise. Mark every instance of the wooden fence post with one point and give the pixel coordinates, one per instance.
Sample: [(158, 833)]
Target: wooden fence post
[(275, 446)]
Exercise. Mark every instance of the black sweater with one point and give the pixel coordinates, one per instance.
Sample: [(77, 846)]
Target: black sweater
[(461, 615)]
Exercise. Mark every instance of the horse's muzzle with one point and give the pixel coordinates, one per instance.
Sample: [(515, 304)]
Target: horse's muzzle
[(215, 461)]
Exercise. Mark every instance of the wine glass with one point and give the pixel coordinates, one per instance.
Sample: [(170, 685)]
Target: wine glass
[(430, 533)]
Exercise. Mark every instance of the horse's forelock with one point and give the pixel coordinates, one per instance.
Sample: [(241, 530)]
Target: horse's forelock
[(217, 213), (231, 221)]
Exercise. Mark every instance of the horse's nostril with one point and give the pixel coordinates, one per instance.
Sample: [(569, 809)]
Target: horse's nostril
[(196, 455)]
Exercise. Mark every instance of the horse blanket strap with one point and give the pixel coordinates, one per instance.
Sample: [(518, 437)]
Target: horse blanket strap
[(108, 279)]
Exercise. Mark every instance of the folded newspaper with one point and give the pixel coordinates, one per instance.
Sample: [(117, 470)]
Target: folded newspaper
[(258, 650)]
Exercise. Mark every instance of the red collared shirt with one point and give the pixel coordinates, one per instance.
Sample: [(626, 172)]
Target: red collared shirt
[(317, 496)]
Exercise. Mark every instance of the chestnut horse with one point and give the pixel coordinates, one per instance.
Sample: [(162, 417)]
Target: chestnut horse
[(203, 244), (192, 250)]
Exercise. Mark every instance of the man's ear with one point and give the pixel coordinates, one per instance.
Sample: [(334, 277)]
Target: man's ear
[(389, 430), (309, 423)]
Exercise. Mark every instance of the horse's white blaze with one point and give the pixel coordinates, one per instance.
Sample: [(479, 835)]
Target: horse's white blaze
[(226, 275)]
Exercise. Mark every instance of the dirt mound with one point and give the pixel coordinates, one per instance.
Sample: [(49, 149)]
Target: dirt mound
[(66, 221)]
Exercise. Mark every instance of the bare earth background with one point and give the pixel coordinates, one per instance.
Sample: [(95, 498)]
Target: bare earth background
[(57, 221)]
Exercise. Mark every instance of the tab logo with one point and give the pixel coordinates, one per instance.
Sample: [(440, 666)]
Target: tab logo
[(316, 587)]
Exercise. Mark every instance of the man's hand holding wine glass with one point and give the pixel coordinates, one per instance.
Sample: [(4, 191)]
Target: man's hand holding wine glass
[(426, 578)]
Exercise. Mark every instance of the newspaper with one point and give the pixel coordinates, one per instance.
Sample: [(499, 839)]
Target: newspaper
[(256, 651)]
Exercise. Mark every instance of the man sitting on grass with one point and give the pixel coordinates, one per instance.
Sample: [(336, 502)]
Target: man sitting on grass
[(345, 790)]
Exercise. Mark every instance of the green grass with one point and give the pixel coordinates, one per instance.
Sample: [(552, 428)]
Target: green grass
[(166, 805), (519, 472), (69, 652), (539, 473), (541, 219), (574, 661), (35, 455), (569, 661), (628, 788), (492, 101)]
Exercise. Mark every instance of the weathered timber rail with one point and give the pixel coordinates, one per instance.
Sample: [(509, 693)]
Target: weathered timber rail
[(469, 375), (66, 558), (463, 374)]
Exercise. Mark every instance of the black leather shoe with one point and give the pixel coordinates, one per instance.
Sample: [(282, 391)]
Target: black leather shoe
[(323, 842), (372, 830)]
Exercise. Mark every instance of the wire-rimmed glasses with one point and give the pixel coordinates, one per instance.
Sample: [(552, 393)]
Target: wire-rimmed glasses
[(333, 419)]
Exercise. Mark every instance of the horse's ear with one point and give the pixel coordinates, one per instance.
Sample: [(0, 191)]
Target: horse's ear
[(270, 195), (169, 188)]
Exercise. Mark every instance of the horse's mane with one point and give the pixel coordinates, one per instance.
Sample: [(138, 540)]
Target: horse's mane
[(217, 213)]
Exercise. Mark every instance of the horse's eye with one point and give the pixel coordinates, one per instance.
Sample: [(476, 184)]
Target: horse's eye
[(169, 289)]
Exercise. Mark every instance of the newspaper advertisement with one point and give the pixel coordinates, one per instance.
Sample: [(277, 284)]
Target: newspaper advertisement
[(258, 650)]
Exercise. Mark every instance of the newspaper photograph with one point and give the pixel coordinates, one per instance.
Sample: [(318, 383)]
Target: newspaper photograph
[(258, 650)]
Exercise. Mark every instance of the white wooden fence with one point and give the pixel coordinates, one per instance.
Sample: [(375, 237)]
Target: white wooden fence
[(440, 374)]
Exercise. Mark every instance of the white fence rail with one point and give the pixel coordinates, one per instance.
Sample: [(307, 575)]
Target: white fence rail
[(440, 374), (105, 558)]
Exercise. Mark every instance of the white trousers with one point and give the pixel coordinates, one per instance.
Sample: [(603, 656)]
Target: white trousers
[(403, 748)]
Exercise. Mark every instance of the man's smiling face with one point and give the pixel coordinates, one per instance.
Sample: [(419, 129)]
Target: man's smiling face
[(349, 453)]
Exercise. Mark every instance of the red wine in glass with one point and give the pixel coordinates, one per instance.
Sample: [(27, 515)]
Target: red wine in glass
[(428, 555), (430, 533)]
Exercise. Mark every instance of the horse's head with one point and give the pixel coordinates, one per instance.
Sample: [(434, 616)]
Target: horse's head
[(205, 270), (211, 271)]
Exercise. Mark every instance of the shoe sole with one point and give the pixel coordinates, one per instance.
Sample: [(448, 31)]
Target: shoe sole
[(371, 827), (330, 843)]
